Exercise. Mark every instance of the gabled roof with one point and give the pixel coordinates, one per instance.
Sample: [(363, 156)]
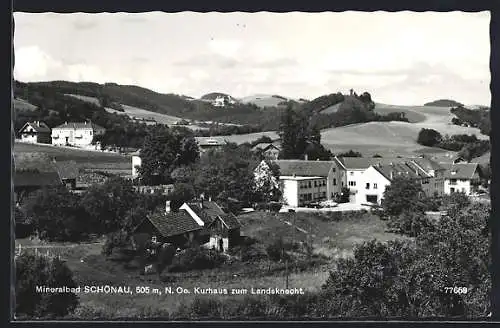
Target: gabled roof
[(428, 164), (39, 127), (263, 146), (361, 163), (80, 126), (210, 141), (67, 169), (211, 212), (173, 223), (462, 171), (406, 169), (290, 167)]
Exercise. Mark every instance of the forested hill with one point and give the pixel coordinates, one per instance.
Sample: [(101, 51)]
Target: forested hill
[(444, 103), (52, 98)]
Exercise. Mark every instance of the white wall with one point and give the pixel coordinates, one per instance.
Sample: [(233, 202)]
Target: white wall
[(460, 186), (136, 161), (290, 192), (76, 137), (29, 138), (372, 177)]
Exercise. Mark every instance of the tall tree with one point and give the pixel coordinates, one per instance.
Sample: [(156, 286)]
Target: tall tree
[(293, 134), (163, 151)]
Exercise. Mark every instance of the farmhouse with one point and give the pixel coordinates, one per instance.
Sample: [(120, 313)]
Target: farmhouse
[(35, 132), (302, 182), (33, 171), (136, 163), (68, 171), (79, 134), (267, 150), (202, 222), (207, 143), (461, 177)]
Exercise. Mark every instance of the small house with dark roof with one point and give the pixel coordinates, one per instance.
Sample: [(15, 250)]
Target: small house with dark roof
[(35, 132), (68, 171), (178, 228), (204, 223), (78, 134), (269, 151), (461, 177), (34, 171)]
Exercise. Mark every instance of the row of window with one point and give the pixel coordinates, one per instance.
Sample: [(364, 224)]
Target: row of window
[(310, 184), (311, 196)]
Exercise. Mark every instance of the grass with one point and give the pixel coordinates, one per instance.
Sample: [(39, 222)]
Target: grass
[(330, 237), (84, 158), (262, 100)]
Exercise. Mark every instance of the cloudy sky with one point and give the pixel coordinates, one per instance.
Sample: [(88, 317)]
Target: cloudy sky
[(401, 58)]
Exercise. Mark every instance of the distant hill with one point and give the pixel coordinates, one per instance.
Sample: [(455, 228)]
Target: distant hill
[(265, 100), (444, 103), (214, 95)]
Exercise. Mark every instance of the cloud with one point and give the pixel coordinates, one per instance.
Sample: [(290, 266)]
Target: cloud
[(225, 47), (32, 63)]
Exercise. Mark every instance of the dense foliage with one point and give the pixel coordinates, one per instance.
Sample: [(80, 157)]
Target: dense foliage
[(429, 137), (33, 271), (473, 117), (443, 103)]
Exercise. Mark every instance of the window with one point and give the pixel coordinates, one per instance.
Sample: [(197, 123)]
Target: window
[(367, 185), (309, 184), (153, 239), (453, 181), (334, 181), (352, 183), (333, 170), (374, 186), (452, 189), (315, 183), (351, 173)]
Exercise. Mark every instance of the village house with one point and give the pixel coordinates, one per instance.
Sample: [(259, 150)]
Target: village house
[(268, 151), (377, 177), (68, 171), (35, 132), (202, 222), (136, 164), (303, 182), (207, 143), (79, 134), (461, 177), (33, 171), (429, 173)]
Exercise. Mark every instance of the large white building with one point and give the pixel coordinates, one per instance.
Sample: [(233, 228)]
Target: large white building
[(80, 134), (304, 182)]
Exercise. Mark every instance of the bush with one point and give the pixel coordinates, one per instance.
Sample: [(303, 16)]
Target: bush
[(277, 250), (33, 271), (429, 137), (197, 258)]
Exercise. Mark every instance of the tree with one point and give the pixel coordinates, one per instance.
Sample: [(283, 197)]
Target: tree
[(293, 130), (429, 137), (37, 271), (57, 215), (266, 181), (163, 151), (350, 153), (182, 193), (403, 193), (227, 173)]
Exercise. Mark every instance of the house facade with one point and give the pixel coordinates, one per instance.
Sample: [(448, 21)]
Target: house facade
[(35, 132), (371, 187), (303, 182), (136, 163), (461, 177), (79, 134)]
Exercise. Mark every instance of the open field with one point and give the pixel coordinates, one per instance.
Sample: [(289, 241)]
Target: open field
[(84, 158), (22, 105), (334, 238), (262, 100)]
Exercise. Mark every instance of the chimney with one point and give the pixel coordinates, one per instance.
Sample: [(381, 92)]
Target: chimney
[(305, 157), (167, 206), (391, 175), (202, 198)]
